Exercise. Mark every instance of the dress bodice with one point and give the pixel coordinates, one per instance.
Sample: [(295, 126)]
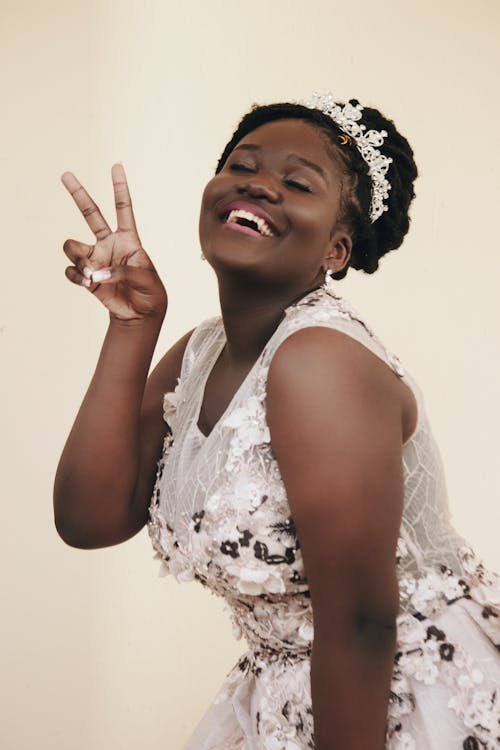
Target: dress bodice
[(219, 514), (221, 498)]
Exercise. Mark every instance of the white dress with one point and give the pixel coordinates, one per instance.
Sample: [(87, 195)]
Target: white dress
[(219, 514)]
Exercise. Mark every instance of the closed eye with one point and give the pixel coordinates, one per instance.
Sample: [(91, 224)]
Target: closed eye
[(235, 167), (298, 185)]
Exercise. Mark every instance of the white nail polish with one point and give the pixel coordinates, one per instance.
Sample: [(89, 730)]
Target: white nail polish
[(101, 275), (87, 272), (86, 282)]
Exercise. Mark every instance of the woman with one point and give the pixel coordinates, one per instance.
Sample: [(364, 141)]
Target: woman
[(298, 474)]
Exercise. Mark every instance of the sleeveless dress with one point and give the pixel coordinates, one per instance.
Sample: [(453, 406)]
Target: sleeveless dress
[(219, 514)]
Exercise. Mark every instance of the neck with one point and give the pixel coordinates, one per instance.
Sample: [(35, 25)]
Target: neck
[(251, 314)]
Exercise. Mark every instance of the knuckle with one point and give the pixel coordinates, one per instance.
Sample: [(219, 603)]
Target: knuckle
[(89, 210)]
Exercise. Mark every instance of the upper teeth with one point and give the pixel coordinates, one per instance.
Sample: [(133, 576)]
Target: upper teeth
[(240, 213)]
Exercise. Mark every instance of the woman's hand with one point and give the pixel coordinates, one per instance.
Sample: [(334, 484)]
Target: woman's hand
[(116, 270)]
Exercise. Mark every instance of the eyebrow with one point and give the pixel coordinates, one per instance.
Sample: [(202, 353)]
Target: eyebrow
[(290, 157)]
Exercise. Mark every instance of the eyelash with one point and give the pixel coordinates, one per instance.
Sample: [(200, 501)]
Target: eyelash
[(235, 167), (299, 186)]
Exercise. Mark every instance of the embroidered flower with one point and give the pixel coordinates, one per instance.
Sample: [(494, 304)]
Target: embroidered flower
[(471, 743), (230, 548), (182, 570), (171, 401), (401, 741), (197, 519), (306, 631), (410, 630), (446, 651), (256, 579), (250, 428)]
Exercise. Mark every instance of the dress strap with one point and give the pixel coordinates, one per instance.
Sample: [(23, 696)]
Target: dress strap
[(322, 308), (200, 343)]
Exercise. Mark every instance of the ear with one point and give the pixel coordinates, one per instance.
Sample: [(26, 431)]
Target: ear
[(338, 251)]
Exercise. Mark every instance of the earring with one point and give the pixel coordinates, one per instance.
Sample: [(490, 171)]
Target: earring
[(328, 283), (202, 257)]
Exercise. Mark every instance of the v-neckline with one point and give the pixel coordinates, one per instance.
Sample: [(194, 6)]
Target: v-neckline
[(201, 392), (212, 362)]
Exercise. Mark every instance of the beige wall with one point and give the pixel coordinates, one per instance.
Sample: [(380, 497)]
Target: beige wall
[(97, 651)]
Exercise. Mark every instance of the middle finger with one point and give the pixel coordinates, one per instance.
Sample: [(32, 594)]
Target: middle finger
[(88, 207)]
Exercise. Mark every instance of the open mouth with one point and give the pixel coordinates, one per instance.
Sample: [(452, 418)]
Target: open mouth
[(239, 218)]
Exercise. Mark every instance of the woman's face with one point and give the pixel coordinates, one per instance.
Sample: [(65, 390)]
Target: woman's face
[(271, 212)]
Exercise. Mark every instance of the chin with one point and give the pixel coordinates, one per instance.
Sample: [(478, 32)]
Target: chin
[(231, 251)]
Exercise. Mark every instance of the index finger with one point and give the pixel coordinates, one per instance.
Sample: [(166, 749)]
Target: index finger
[(124, 213), (88, 207)]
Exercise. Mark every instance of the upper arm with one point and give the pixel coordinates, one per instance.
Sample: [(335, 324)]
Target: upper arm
[(153, 428), (335, 418)]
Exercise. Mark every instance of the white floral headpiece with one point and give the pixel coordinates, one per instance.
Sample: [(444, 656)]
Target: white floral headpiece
[(347, 118)]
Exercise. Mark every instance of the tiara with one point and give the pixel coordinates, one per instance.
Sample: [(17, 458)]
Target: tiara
[(347, 118)]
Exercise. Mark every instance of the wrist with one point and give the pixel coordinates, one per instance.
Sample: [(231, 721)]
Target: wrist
[(151, 322)]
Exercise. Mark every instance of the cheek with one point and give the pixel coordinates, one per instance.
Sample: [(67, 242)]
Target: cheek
[(209, 198), (207, 194), (314, 221), (214, 189)]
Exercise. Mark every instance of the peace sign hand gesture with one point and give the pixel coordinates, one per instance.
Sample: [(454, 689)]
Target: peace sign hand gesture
[(117, 269)]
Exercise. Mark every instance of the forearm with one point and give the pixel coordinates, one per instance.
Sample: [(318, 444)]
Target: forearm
[(99, 465), (350, 684)]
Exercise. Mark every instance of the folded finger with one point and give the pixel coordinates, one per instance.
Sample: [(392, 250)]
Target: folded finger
[(78, 252), (88, 207), (123, 202), (77, 277)]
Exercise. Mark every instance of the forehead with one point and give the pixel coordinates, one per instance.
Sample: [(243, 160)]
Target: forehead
[(283, 137)]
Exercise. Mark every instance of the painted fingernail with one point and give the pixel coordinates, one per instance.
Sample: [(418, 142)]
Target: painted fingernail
[(86, 282), (101, 275), (87, 272)]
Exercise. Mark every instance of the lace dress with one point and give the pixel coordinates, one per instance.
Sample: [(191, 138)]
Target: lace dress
[(219, 514)]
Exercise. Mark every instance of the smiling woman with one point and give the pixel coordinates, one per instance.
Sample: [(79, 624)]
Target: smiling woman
[(294, 472)]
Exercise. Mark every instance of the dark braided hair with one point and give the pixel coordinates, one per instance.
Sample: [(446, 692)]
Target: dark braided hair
[(370, 240)]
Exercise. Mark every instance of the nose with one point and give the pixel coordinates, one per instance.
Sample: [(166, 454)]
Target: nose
[(258, 186)]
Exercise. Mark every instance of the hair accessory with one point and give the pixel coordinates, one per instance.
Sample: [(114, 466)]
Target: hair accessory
[(345, 139), (347, 118)]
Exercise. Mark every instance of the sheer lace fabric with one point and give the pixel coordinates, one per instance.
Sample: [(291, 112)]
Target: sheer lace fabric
[(219, 514)]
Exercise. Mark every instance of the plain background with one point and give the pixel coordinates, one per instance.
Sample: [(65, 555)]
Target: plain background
[(97, 650)]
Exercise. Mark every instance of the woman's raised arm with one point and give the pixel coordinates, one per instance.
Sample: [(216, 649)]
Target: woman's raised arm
[(337, 432), (110, 455)]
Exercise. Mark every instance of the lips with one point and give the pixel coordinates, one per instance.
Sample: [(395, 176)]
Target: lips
[(250, 208)]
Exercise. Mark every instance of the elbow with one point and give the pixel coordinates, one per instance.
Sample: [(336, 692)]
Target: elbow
[(67, 530), (375, 632), (70, 528), (95, 528), (374, 618), (70, 533), (368, 627)]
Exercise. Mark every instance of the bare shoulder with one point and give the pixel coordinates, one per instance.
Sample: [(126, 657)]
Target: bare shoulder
[(335, 371)]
